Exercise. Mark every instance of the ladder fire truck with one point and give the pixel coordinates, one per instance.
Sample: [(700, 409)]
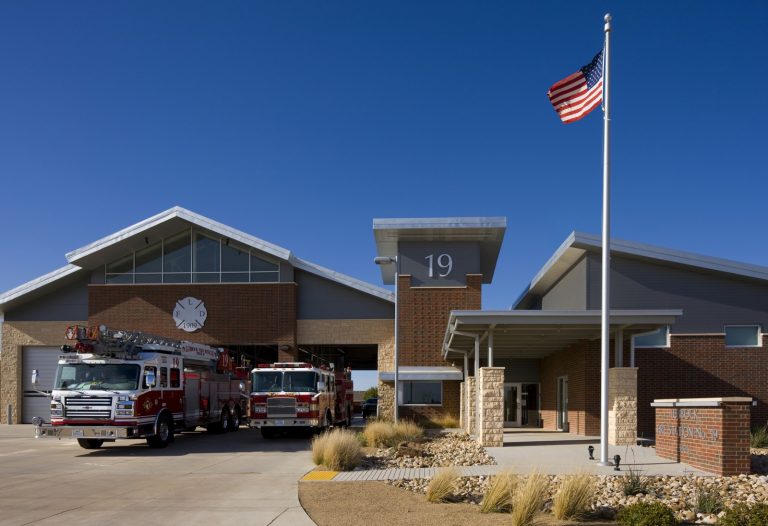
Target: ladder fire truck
[(296, 395), (115, 384)]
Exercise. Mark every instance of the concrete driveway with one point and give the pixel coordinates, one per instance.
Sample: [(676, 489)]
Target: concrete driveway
[(234, 478)]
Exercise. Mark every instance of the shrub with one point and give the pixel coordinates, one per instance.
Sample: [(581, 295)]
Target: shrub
[(443, 485), (574, 496), (707, 500), (647, 514), (759, 437), (498, 496), (379, 433), (446, 421), (407, 431), (371, 392), (743, 515), (338, 450), (529, 498), (633, 484)]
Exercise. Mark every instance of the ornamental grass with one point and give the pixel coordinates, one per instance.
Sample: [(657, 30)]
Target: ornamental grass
[(443, 485), (498, 496), (529, 499), (338, 450), (573, 499)]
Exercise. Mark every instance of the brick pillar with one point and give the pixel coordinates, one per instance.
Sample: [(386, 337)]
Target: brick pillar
[(462, 406), (470, 411), (622, 406), (490, 420), (711, 434)]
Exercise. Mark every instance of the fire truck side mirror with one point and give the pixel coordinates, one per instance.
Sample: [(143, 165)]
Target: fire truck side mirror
[(35, 377), (149, 378), (321, 386)]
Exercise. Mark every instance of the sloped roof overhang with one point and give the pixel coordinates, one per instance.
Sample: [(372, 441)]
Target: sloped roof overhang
[(578, 243), (536, 334)]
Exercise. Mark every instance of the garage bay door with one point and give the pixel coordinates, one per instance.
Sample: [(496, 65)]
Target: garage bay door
[(44, 360)]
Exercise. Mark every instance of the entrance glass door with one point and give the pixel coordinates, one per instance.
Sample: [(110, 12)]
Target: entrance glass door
[(512, 405)]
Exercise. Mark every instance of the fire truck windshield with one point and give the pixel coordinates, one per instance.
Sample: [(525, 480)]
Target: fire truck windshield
[(289, 381), (97, 376)]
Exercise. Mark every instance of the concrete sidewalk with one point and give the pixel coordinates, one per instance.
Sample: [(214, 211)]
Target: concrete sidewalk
[(548, 452)]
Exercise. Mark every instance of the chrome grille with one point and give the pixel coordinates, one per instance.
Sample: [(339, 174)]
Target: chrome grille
[(87, 407), (281, 407)]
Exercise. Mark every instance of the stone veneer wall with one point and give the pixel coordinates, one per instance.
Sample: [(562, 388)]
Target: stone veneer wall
[(490, 418), (622, 406), (16, 336), (470, 403), (463, 404)]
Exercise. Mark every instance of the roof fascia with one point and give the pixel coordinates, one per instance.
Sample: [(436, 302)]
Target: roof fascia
[(37, 283), (186, 215)]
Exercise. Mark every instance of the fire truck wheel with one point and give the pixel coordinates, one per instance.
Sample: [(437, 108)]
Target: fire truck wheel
[(90, 443), (234, 420), (225, 420), (164, 434)]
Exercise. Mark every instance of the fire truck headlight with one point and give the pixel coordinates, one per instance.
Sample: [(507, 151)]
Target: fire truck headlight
[(302, 407), (56, 409), (259, 408)]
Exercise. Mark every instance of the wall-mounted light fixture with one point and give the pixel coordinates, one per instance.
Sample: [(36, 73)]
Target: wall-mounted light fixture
[(591, 450), (616, 462)]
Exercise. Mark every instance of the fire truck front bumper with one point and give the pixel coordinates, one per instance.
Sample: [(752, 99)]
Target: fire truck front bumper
[(101, 432), (283, 422)]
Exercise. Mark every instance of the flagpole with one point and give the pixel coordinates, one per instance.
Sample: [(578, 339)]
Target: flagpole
[(605, 315)]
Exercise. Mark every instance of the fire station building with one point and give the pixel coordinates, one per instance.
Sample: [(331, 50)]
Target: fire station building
[(181, 275), (682, 325)]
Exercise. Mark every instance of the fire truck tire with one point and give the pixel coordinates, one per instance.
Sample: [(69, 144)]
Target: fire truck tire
[(164, 435), (225, 420), (234, 420), (90, 443)]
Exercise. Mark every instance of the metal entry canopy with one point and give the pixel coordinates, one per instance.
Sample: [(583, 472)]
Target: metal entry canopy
[(539, 333)]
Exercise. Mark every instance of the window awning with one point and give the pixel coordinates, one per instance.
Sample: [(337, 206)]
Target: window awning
[(410, 373)]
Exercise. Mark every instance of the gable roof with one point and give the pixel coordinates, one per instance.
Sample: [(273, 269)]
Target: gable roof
[(579, 243), (161, 225)]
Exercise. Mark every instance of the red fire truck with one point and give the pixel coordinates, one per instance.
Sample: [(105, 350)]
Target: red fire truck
[(295, 395), (116, 384)]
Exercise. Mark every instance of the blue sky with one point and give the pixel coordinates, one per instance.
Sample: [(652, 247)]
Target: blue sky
[(299, 122)]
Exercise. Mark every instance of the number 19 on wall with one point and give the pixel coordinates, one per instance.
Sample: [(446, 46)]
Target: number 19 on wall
[(444, 263)]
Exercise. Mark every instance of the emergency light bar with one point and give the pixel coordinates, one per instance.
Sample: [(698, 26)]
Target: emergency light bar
[(286, 365)]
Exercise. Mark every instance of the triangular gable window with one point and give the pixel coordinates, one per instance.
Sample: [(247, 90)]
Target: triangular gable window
[(193, 257)]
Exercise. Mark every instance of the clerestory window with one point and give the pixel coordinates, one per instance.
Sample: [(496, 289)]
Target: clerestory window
[(192, 257)]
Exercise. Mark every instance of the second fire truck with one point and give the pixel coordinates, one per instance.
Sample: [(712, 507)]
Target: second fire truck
[(297, 395), (114, 384)]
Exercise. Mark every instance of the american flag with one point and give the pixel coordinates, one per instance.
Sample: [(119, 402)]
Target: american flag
[(578, 94)]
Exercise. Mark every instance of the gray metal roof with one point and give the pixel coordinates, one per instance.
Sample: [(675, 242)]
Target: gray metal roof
[(540, 333), (165, 224), (578, 243), (487, 231)]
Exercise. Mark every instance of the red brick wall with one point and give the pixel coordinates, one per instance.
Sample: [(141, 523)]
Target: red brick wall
[(581, 364), (423, 317), (715, 439), (700, 367), (252, 314)]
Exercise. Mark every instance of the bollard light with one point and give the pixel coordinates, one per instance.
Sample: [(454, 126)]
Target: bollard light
[(591, 450), (616, 461)]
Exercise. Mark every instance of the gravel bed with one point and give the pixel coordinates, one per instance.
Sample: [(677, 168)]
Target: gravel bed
[(447, 449), (677, 492)]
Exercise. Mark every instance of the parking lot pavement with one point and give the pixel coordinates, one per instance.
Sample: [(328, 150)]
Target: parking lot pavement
[(199, 479)]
